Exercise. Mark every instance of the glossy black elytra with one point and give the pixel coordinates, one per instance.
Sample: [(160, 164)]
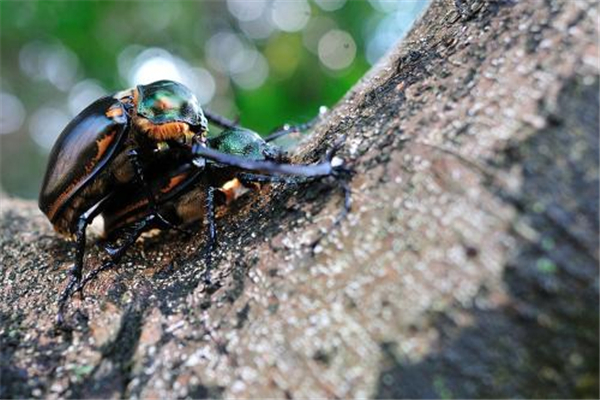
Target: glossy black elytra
[(140, 158)]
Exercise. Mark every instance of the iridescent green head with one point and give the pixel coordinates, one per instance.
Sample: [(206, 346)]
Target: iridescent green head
[(165, 101), (245, 143)]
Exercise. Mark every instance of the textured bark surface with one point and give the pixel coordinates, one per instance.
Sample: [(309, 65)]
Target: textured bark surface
[(467, 268)]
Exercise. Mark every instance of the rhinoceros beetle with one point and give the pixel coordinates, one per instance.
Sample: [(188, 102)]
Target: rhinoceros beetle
[(141, 157)]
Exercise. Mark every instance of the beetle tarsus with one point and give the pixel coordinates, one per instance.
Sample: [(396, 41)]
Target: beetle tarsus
[(76, 272), (62, 300), (247, 178), (115, 254), (347, 207), (212, 235)]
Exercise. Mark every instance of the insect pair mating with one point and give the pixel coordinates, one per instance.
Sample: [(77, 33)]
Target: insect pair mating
[(141, 159)]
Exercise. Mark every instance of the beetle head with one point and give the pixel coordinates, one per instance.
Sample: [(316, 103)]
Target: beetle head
[(245, 143), (168, 110)]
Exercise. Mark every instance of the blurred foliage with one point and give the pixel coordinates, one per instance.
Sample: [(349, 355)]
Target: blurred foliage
[(99, 32)]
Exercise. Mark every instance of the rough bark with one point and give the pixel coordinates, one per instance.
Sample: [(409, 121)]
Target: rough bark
[(467, 268)]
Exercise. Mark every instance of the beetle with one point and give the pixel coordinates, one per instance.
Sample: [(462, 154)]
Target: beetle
[(114, 142), (106, 146), (180, 189)]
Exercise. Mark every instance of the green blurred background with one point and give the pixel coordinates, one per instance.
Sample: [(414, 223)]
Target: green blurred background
[(266, 62)]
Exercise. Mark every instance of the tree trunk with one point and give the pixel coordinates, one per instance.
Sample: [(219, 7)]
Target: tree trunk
[(468, 266)]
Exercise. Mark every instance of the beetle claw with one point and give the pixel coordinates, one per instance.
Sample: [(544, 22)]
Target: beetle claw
[(60, 319), (112, 251)]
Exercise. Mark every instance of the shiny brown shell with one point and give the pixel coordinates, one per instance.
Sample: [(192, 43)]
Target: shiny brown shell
[(74, 179)]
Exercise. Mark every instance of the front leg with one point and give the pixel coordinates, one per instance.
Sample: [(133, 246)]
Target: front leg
[(329, 167), (262, 166), (248, 178)]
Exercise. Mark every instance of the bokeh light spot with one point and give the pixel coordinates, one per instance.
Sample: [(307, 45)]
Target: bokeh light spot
[(316, 28), (12, 113), (337, 49), (46, 124), (207, 85), (50, 61), (152, 65), (220, 49), (155, 64), (392, 28), (255, 75), (260, 28), (290, 16), (245, 10), (330, 5), (83, 94)]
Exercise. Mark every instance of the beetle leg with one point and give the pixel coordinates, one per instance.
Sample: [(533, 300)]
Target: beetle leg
[(294, 180), (286, 129), (115, 256), (219, 120), (212, 233), (139, 173), (116, 253), (245, 177), (268, 167), (347, 192), (80, 240)]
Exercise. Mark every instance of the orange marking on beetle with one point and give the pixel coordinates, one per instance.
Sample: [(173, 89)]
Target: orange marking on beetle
[(168, 131), (103, 145), (173, 182), (59, 202), (114, 111), (232, 190)]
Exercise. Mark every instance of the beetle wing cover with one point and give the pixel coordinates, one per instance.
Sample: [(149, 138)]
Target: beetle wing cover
[(81, 151)]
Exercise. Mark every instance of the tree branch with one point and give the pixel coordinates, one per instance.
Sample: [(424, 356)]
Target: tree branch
[(467, 268)]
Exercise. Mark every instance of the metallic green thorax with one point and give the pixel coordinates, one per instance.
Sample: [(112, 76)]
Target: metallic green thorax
[(244, 143), (167, 101)]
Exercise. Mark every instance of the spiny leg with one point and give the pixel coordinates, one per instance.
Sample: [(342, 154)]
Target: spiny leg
[(116, 253), (263, 166), (294, 180), (139, 174), (76, 271), (289, 129), (115, 256), (201, 153), (286, 129), (219, 120), (212, 233), (245, 177), (347, 192)]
